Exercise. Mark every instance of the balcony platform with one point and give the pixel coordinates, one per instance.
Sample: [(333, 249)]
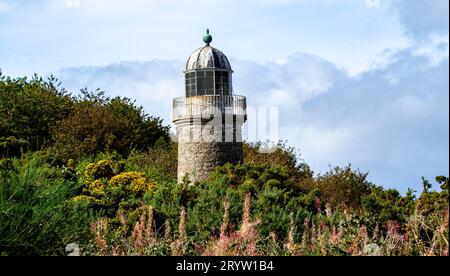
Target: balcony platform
[(207, 106)]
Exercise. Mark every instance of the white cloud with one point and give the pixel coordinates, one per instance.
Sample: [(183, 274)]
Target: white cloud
[(423, 18), (99, 32), (373, 3), (300, 77), (152, 84), (72, 3)]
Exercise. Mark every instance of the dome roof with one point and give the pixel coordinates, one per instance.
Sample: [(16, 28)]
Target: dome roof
[(207, 57)]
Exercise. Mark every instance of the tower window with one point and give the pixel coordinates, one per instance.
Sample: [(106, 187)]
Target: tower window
[(208, 82)]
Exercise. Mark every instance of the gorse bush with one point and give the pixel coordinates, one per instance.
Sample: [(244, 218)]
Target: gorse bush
[(385, 205), (108, 188), (35, 217), (100, 169), (135, 182), (431, 201)]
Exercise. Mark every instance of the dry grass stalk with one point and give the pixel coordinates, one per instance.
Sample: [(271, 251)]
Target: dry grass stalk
[(273, 237), (323, 239), (305, 236), (149, 233), (143, 234), (291, 246), (248, 232), (242, 242), (167, 231), (100, 229), (246, 210), (333, 240), (313, 235), (224, 226), (219, 247), (440, 241), (178, 247), (359, 242), (376, 232), (182, 227)]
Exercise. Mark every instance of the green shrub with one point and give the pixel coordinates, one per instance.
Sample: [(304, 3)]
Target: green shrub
[(433, 201), (35, 217), (160, 163), (11, 146), (385, 205), (279, 155)]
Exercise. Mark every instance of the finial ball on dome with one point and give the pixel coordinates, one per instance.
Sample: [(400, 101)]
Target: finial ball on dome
[(207, 38)]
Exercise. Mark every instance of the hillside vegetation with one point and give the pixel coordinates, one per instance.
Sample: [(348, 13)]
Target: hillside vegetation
[(99, 172)]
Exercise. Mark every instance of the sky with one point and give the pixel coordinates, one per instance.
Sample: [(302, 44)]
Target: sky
[(364, 82)]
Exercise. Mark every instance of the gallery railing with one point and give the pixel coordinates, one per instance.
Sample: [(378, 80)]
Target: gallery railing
[(204, 106)]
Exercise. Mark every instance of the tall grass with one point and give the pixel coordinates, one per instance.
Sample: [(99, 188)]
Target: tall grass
[(318, 236), (35, 217)]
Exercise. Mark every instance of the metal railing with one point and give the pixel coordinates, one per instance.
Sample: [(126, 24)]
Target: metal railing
[(204, 106)]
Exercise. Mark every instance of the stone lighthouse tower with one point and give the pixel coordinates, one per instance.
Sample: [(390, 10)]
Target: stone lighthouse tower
[(209, 118)]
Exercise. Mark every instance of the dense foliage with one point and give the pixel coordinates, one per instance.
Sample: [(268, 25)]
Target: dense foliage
[(37, 114), (100, 173), (35, 213), (27, 110), (97, 123)]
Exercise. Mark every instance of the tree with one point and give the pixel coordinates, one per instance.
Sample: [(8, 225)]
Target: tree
[(280, 155), (342, 187), (101, 124), (443, 181), (426, 185), (28, 107)]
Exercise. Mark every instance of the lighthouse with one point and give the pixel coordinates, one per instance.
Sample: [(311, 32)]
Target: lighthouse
[(209, 118)]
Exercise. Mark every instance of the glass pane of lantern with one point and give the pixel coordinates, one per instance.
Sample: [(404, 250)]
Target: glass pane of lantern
[(209, 83), (201, 83)]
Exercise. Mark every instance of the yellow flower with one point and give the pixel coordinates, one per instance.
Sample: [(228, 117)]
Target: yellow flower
[(136, 182), (95, 188), (82, 199), (100, 169)]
